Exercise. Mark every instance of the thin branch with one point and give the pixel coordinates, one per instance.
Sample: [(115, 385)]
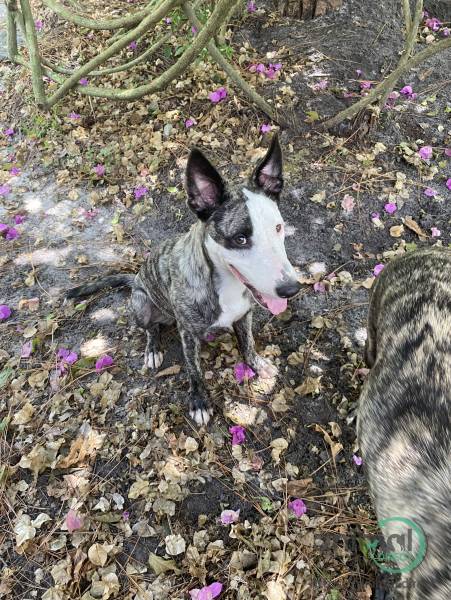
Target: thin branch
[(229, 69), (117, 23), (33, 50), (133, 34), (128, 65), (11, 11), (407, 16), (408, 46), (388, 84)]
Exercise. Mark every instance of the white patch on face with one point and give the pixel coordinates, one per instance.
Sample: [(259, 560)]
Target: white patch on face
[(266, 264)]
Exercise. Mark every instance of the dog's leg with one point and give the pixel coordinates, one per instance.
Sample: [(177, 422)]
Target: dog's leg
[(145, 313), (246, 344), (199, 408), (153, 356)]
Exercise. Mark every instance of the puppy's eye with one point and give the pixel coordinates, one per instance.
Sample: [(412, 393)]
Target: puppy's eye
[(279, 228), (240, 240)]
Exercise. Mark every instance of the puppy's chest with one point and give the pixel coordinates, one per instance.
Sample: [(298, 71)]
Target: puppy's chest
[(234, 301)]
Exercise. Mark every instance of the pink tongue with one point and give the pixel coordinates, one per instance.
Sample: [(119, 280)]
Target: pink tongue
[(275, 305)]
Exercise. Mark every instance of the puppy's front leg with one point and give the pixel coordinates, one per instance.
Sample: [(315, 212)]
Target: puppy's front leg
[(199, 408), (246, 344)]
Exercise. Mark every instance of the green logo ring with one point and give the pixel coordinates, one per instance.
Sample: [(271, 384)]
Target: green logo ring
[(421, 552)]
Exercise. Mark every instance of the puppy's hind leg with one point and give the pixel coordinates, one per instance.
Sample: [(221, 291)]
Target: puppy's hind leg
[(146, 315)]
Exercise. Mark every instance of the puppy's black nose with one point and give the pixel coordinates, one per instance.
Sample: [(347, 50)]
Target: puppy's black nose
[(287, 290)]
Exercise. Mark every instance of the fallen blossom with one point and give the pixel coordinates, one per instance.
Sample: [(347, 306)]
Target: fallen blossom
[(3, 228), (219, 95), (448, 183), (319, 287), (83, 82), (406, 90), (365, 85), (12, 234), (39, 25), (5, 312), (19, 219), (378, 269), (393, 95), (243, 372), (298, 507), (251, 6), (359, 72), (126, 515), (375, 216), (425, 152), (447, 151), (238, 435), (390, 208), (140, 191), (103, 362), (429, 192), (73, 521), (357, 460), (446, 32), (189, 123), (15, 171), (206, 593), (193, 30), (435, 232), (65, 358), (99, 170), (5, 189), (348, 203), (209, 337), (433, 23), (26, 350), (133, 45), (321, 85), (265, 128), (9, 132), (229, 516), (168, 20), (75, 116)]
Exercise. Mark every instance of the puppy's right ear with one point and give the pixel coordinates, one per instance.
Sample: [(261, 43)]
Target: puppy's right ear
[(204, 186)]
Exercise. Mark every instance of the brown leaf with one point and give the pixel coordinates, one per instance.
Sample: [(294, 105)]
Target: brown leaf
[(413, 225), (335, 447), (83, 447), (299, 487), (172, 370), (311, 385)]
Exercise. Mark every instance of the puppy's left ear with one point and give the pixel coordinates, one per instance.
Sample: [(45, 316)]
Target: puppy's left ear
[(204, 186), (268, 173)]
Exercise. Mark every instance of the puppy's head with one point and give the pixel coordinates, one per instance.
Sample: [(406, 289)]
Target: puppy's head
[(245, 230)]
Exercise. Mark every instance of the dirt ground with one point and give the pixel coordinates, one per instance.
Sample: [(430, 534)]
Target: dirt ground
[(144, 489)]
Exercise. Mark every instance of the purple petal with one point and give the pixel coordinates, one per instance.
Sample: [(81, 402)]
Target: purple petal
[(27, 349), (298, 507), (103, 362), (5, 189), (357, 460), (429, 192), (243, 372), (390, 208), (425, 152), (238, 435), (5, 312), (12, 233), (378, 269)]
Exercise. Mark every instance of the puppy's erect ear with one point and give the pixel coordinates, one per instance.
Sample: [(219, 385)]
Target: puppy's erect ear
[(268, 173), (204, 186)]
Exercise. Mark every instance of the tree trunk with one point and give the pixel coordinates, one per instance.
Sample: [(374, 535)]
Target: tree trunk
[(307, 9)]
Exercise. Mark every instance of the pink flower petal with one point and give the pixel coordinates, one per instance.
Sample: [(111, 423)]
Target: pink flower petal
[(357, 460), (448, 183), (319, 287), (5, 189), (27, 349), (12, 233), (298, 507), (140, 191), (425, 152), (435, 232), (243, 372), (390, 208), (229, 516), (5, 312), (378, 269), (99, 170), (429, 192), (73, 521), (238, 435), (103, 362)]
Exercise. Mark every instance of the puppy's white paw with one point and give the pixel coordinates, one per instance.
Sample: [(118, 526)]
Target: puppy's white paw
[(265, 368), (153, 360), (200, 416)]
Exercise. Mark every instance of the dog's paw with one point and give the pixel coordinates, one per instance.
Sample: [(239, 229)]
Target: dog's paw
[(153, 360), (264, 367), (199, 410)]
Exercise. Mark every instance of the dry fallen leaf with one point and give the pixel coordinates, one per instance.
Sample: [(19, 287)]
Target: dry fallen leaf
[(173, 370), (278, 446), (413, 225), (98, 555), (83, 447), (299, 487), (396, 231), (310, 386), (335, 447), (161, 565)]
